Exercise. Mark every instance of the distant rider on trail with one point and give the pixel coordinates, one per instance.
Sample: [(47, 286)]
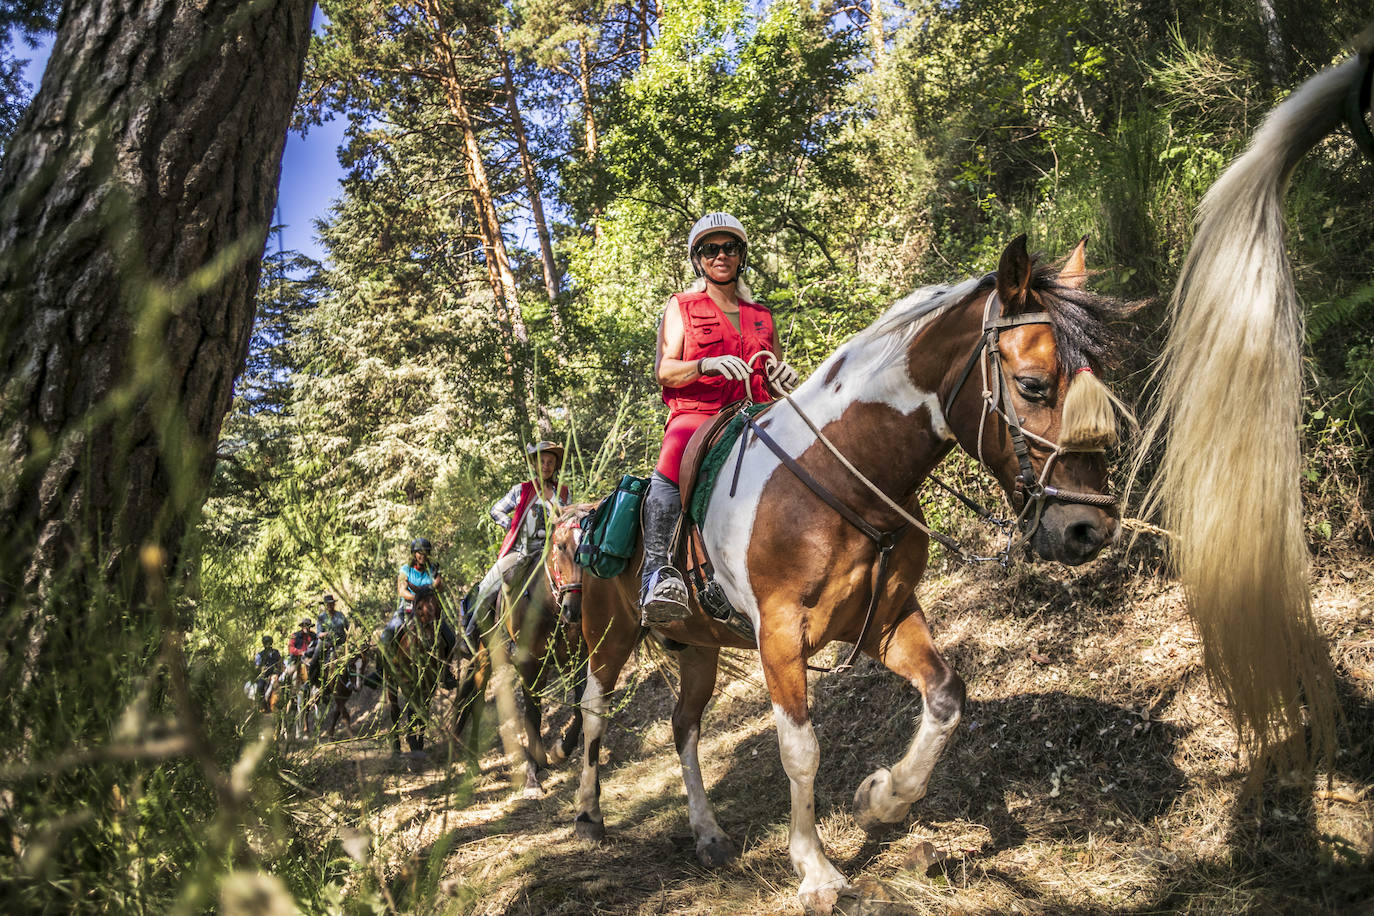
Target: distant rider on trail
[(421, 571), (301, 646), (333, 632), (267, 663), (524, 512), (706, 337)]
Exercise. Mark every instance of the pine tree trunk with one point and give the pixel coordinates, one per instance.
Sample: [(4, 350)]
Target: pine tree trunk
[(1277, 60), (135, 198), (877, 32), (541, 226), (584, 84), (499, 271)]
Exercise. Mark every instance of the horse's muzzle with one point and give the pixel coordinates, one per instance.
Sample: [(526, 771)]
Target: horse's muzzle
[(1073, 534)]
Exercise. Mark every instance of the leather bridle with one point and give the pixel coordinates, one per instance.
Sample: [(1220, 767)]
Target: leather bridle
[(996, 395)]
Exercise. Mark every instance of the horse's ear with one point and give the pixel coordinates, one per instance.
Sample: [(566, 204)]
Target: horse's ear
[(1075, 269), (1014, 274)]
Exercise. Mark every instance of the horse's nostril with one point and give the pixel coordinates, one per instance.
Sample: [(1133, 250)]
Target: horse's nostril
[(1085, 535)]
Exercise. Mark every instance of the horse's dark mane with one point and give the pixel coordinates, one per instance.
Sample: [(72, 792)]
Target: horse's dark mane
[(1081, 319)]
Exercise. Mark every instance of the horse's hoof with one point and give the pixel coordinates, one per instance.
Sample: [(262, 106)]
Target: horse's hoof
[(820, 901), (875, 806), (716, 852), (556, 756), (589, 830)]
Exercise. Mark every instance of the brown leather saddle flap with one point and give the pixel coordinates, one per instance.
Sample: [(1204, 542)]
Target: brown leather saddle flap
[(706, 436)]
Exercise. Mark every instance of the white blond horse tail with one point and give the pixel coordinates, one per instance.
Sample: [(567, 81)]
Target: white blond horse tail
[(1230, 404)]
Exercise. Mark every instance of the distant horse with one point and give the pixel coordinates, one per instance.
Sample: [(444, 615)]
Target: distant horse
[(411, 665), (300, 713), (814, 545), (545, 650), (1231, 380), (342, 669)]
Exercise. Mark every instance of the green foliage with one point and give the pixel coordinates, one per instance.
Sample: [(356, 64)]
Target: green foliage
[(383, 395)]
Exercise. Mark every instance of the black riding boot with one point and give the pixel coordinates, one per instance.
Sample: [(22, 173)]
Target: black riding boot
[(664, 596)]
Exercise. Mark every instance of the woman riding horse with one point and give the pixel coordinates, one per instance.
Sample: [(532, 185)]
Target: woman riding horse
[(706, 336), (818, 536)]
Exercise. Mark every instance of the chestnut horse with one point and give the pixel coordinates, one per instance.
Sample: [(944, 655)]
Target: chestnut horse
[(987, 365), (341, 675), (411, 666), (546, 651), (1230, 401)]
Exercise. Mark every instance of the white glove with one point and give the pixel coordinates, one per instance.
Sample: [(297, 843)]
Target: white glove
[(783, 376), (732, 367)]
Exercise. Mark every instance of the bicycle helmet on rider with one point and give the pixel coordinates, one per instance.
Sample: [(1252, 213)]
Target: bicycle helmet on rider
[(712, 223), (421, 545)]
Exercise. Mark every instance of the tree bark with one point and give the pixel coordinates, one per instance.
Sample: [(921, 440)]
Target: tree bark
[(135, 199), (517, 121), (499, 271), (1277, 60), (584, 85)]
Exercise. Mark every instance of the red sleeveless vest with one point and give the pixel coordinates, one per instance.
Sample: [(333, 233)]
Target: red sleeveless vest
[(707, 332), (527, 496)]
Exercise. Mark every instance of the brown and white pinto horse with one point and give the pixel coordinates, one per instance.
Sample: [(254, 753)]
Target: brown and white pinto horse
[(894, 400)]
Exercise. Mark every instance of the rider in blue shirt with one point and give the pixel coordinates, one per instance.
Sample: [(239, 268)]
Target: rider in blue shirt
[(421, 571)]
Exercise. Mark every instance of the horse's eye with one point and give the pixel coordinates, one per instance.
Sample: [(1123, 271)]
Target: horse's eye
[(1033, 388)]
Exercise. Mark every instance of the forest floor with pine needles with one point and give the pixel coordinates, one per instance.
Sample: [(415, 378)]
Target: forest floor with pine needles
[(1094, 771)]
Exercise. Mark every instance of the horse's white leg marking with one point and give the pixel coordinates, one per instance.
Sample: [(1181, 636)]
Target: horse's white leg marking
[(801, 755), (887, 795), (589, 817)]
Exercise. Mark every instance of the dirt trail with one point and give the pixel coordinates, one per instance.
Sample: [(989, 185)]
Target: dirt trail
[(1093, 772)]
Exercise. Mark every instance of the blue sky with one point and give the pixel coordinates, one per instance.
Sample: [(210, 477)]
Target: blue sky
[(310, 171)]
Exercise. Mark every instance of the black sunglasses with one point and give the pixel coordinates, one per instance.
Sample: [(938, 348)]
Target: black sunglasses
[(709, 250)]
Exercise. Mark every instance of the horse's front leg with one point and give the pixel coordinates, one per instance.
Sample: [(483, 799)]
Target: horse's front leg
[(698, 666), (564, 749), (535, 758), (784, 668), (907, 649)]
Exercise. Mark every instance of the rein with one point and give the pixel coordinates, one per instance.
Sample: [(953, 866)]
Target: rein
[(1036, 492)]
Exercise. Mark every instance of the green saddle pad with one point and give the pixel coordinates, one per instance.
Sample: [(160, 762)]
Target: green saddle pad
[(715, 460)]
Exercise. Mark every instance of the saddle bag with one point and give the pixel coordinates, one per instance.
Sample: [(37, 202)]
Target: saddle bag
[(610, 531)]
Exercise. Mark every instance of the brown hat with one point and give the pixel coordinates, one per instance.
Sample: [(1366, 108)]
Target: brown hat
[(553, 448)]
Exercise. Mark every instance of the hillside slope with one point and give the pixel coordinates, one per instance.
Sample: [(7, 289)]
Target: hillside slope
[(1093, 772)]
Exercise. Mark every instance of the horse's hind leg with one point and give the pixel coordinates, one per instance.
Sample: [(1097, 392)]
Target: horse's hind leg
[(698, 666), (906, 648)]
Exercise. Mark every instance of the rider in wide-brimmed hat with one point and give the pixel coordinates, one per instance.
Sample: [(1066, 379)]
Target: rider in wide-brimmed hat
[(707, 336), (524, 512)]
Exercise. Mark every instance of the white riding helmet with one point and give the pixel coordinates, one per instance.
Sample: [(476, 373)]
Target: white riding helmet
[(716, 222)]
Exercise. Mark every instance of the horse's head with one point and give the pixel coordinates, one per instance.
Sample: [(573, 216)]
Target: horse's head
[(560, 565), (425, 604), (1028, 405)]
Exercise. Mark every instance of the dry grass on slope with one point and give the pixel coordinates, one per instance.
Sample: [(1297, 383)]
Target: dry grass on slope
[(1093, 773)]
